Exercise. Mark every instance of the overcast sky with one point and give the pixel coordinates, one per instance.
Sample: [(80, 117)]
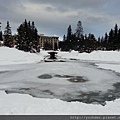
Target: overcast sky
[(52, 17)]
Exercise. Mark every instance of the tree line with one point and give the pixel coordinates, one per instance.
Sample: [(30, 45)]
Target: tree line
[(87, 43), (27, 39)]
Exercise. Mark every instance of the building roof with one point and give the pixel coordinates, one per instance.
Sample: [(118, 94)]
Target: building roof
[(42, 36)]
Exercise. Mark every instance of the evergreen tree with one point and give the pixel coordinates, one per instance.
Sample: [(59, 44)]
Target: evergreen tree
[(91, 43), (115, 37), (66, 44), (116, 31), (105, 42), (79, 30), (64, 38), (28, 39), (8, 41), (111, 40), (119, 39), (99, 39), (106, 37), (35, 37), (98, 44), (119, 35), (22, 40), (69, 33), (1, 39)]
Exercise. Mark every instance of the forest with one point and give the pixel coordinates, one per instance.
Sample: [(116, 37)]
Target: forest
[(87, 43), (27, 38)]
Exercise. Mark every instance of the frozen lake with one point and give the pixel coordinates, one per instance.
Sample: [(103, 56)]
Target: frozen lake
[(69, 81)]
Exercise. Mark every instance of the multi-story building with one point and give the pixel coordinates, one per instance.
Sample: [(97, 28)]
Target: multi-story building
[(49, 42)]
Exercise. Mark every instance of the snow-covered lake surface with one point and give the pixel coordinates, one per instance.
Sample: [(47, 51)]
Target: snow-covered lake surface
[(88, 83)]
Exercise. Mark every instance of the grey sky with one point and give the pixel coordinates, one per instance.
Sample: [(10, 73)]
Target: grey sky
[(52, 17)]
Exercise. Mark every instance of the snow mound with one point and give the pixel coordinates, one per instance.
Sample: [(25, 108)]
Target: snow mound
[(14, 56), (113, 56), (22, 104)]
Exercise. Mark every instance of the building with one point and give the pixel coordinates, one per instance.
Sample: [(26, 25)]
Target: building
[(49, 42)]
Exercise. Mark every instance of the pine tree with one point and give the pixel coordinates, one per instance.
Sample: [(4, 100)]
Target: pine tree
[(64, 38), (8, 41), (106, 37), (116, 31), (1, 39), (105, 42), (69, 33), (111, 40), (28, 37), (22, 40), (115, 37), (119, 39), (91, 43), (79, 30), (35, 43)]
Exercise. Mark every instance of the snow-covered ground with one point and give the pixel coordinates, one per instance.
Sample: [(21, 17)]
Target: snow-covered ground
[(17, 66)]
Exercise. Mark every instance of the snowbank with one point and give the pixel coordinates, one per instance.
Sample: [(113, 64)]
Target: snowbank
[(19, 104), (111, 56), (14, 56)]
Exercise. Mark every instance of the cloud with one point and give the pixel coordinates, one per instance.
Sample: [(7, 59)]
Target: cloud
[(54, 16)]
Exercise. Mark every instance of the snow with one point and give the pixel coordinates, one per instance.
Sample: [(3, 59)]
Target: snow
[(14, 56), (18, 78), (17, 104), (22, 64), (111, 56), (114, 67)]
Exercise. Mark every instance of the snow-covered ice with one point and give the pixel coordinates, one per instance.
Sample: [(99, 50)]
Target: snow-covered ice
[(25, 79), (20, 71)]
